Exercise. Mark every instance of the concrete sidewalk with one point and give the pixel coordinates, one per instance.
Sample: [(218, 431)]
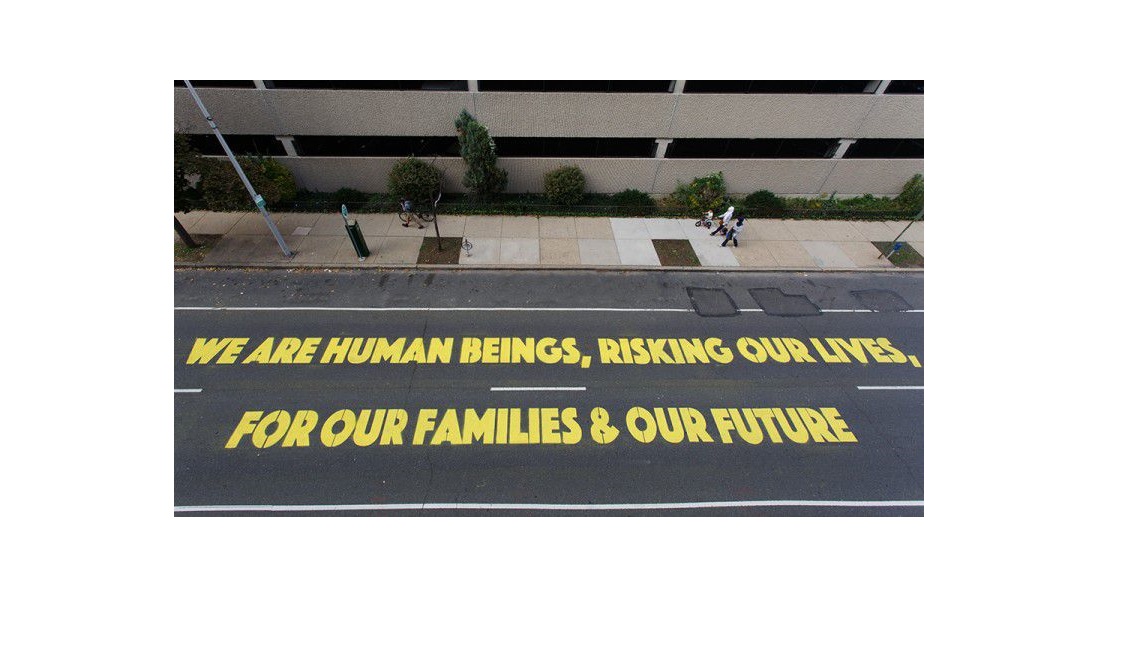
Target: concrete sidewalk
[(319, 240)]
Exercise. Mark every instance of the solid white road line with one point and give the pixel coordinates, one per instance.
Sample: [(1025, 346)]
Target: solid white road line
[(539, 507), (537, 389), (559, 309), (188, 391), (889, 387)]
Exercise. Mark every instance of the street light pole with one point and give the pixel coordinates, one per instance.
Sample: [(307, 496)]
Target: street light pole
[(256, 197)]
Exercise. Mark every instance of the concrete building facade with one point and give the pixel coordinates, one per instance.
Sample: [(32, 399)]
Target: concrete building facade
[(848, 137)]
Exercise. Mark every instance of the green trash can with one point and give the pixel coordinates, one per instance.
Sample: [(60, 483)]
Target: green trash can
[(357, 239)]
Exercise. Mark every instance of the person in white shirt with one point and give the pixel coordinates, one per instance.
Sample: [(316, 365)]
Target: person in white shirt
[(725, 220)]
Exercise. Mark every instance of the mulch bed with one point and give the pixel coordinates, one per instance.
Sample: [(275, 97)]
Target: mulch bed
[(182, 253), (906, 257), (676, 253), (430, 254)]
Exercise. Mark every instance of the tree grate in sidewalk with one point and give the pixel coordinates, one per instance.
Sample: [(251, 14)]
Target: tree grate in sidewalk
[(775, 303)]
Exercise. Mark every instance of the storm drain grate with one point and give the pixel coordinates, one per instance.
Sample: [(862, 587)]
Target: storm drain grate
[(881, 300), (711, 302), (775, 303)]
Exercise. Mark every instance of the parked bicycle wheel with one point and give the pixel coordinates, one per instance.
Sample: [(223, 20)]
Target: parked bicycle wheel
[(404, 217)]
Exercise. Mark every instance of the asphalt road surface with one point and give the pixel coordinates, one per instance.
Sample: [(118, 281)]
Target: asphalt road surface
[(666, 421)]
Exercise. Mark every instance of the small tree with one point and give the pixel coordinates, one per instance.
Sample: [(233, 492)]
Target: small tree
[(415, 179), (186, 165), (701, 195), (565, 185), (223, 190), (483, 177), (911, 197)]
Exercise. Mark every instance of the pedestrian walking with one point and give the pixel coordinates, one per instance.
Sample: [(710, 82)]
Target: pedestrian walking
[(407, 215), (725, 220), (732, 233)]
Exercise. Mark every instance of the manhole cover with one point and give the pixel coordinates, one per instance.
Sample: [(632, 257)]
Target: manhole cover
[(881, 300), (775, 303), (711, 302)]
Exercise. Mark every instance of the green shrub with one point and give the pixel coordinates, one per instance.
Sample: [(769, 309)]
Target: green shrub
[(565, 185), (634, 202), (701, 195), (222, 189), (348, 196), (911, 198), (763, 203), (415, 179)]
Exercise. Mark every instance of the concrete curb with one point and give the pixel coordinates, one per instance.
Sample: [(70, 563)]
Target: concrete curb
[(538, 267)]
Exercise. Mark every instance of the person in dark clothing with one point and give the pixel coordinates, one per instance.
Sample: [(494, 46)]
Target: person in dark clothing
[(735, 228)]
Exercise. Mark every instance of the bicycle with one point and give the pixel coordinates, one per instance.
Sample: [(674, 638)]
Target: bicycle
[(406, 216), (706, 219)]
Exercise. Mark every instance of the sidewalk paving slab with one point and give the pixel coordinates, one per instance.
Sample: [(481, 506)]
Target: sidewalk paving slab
[(918, 246), (828, 255), (251, 224), (594, 228), (483, 226), (559, 251), (863, 254), (874, 231), (630, 229), (791, 254), (519, 226), (398, 249), (557, 227), (372, 224), (319, 249), (842, 232), (755, 253), (233, 248), (914, 232), (712, 254), (660, 228), (598, 251), (329, 224), (518, 250), (770, 230), (691, 231), (398, 229), (214, 223), (805, 230), (485, 251), (289, 222), (451, 225), (639, 252)]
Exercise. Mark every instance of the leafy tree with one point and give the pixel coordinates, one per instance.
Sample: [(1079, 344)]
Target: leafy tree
[(187, 163), (223, 190), (416, 179), (565, 185), (701, 195), (483, 177), (911, 197)]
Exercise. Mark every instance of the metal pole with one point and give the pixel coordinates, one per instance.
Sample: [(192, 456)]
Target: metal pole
[(892, 247), (256, 197)]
